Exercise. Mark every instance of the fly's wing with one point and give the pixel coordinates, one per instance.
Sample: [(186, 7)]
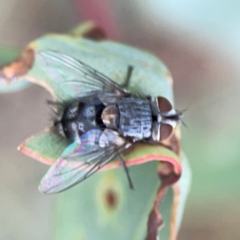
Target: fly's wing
[(78, 162), (82, 79)]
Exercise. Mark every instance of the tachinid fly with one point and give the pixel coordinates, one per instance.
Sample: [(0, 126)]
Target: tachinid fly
[(101, 122)]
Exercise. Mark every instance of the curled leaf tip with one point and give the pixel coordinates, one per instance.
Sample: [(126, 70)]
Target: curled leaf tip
[(89, 30), (19, 67), (96, 34), (34, 155), (155, 221), (168, 174)]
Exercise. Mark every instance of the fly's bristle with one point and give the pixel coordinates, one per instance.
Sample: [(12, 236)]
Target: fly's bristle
[(56, 110), (56, 105), (184, 124), (54, 115)]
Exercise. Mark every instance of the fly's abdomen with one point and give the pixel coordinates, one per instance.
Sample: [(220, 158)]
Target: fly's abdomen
[(135, 118), (86, 118), (80, 117)]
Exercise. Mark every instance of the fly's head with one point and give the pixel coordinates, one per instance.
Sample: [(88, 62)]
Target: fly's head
[(167, 118)]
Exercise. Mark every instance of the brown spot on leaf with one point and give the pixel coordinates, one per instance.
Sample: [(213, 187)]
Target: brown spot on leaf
[(19, 67), (111, 199)]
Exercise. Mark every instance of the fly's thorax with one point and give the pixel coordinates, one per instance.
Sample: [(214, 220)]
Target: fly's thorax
[(135, 118)]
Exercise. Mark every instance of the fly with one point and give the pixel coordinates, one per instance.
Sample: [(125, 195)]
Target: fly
[(104, 120)]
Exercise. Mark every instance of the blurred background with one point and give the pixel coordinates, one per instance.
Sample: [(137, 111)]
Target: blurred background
[(199, 42)]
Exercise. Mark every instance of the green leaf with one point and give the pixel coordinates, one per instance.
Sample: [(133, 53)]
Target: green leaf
[(46, 146), (103, 206)]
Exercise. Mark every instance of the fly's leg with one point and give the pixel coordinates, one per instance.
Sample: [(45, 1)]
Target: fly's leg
[(127, 172), (112, 138), (127, 79)]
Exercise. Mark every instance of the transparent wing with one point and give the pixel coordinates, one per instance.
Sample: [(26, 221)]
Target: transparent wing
[(79, 77), (78, 162)]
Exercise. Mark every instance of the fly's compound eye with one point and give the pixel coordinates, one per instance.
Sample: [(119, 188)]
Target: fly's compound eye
[(161, 131), (164, 105), (166, 131), (162, 128)]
